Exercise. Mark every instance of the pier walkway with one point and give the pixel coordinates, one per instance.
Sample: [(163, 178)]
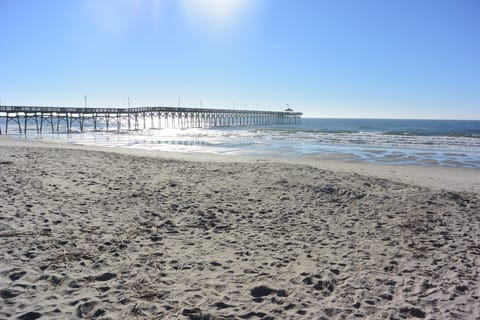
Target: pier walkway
[(60, 119)]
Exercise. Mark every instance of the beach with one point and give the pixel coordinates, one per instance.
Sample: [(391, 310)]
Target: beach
[(90, 232)]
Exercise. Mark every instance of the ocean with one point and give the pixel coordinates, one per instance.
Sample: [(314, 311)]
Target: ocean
[(454, 143)]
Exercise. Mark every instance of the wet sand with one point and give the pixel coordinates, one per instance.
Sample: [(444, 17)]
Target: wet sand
[(109, 235)]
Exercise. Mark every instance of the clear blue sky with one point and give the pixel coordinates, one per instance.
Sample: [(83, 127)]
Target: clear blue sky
[(337, 58)]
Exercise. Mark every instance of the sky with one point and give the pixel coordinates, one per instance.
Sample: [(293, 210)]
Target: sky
[(337, 58)]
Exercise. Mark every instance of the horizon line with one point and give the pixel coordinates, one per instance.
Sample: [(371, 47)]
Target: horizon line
[(386, 118)]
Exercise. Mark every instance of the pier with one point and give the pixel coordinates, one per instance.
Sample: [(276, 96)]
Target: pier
[(70, 119)]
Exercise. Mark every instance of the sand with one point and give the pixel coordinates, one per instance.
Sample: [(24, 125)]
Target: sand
[(109, 235)]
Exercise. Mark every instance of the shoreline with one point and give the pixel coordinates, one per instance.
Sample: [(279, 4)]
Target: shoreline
[(434, 176), (111, 235)]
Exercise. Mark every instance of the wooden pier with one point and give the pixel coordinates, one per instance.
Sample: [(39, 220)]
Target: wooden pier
[(59, 119)]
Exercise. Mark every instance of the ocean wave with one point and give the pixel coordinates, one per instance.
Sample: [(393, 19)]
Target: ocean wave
[(300, 131), (374, 138), (406, 145), (430, 134)]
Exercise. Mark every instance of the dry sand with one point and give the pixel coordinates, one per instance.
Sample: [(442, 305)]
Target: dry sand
[(91, 234)]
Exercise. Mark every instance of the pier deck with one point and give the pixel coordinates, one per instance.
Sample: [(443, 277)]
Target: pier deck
[(68, 119)]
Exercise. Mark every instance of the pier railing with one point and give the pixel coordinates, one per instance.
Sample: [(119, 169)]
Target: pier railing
[(68, 119)]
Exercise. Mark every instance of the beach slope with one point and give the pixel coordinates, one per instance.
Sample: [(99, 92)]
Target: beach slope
[(91, 234)]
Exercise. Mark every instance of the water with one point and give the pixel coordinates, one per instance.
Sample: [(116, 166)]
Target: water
[(426, 142)]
